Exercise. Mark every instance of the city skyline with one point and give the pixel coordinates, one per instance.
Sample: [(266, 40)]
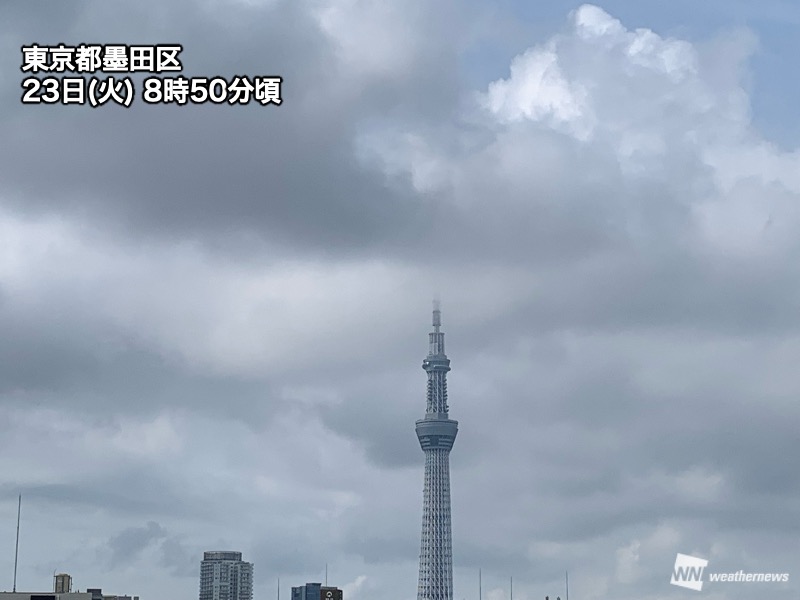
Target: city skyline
[(212, 316)]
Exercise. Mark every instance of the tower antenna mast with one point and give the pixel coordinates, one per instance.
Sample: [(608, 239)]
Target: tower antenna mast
[(16, 549)]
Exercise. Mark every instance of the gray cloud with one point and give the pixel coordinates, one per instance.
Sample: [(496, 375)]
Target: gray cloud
[(286, 174), (212, 319), (129, 543)]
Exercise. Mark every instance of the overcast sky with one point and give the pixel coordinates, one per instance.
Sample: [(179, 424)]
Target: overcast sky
[(212, 318)]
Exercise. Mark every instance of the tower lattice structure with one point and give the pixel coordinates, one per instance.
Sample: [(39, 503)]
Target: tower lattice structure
[(436, 433)]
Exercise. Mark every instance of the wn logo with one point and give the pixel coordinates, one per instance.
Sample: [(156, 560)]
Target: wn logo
[(688, 572)]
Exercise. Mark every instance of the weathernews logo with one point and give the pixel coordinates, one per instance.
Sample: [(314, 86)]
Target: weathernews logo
[(688, 573)]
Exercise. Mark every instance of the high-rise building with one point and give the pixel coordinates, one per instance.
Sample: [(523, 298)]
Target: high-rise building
[(62, 583), (225, 576), (436, 434), (316, 591)]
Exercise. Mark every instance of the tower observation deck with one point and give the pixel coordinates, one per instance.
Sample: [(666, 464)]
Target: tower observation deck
[(436, 433)]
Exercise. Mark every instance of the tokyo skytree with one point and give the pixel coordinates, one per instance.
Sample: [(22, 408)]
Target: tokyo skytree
[(436, 434)]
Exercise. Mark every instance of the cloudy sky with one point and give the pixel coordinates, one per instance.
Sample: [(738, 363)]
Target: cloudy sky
[(212, 318)]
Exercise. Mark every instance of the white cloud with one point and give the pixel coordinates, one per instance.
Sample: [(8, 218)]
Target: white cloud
[(593, 22), (672, 116), (353, 589), (371, 37), (628, 570), (539, 91)]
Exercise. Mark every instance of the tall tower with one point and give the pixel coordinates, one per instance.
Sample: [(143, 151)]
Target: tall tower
[(436, 434)]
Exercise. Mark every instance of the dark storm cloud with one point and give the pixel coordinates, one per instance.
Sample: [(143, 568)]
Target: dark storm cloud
[(373, 421), (285, 173), (298, 555), (129, 543), (102, 370), (127, 546), (746, 437), (29, 16), (156, 496), (181, 560)]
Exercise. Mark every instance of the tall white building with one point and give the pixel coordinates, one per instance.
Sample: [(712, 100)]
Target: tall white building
[(225, 576)]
